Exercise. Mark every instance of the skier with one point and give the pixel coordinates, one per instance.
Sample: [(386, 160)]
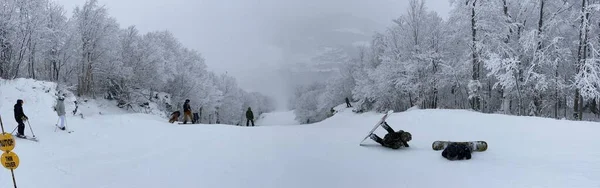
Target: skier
[(249, 117), (174, 116), (348, 105), (393, 139), (187, 111), (60, 111), (20, 117), (457, 151)]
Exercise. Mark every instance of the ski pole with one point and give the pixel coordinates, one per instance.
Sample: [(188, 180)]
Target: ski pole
[(14, 130), (1, 124), (56, 125), (30, 128), (66, 127)]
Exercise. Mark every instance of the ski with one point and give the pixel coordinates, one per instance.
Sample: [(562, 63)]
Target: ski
[(66, 130), (377, 126), (27, 138)]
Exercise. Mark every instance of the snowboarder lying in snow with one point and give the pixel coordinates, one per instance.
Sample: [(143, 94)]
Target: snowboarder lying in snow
[(392, 139), (457, 151)]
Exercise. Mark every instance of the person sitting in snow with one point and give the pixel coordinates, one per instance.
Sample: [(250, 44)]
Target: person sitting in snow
[(174, 116), (392, 139), (457, 151)]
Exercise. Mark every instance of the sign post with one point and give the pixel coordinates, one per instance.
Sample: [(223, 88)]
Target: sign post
[(9, 159)]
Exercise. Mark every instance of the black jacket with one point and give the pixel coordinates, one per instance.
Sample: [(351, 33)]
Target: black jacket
[(249, 114), (394, 140), (186, 107), (456, 151), (19, 114)]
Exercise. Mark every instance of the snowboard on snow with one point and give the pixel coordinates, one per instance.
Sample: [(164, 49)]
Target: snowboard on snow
[(475, 145), (377, 126), (189, 123)]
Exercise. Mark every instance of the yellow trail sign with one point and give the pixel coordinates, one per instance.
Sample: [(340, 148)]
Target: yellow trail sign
[(7, 142), (10, 160)]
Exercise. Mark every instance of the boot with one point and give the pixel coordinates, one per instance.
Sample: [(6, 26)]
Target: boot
[(376, 138)]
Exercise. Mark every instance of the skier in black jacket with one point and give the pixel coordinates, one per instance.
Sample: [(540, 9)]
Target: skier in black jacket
[(20, 117), (393, 139)]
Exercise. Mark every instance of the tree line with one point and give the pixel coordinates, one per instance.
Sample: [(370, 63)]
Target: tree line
[(518, 57), (90, 52)]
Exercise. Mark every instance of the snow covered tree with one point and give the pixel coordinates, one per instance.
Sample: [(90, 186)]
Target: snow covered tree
[(95, 32), (90, 52)]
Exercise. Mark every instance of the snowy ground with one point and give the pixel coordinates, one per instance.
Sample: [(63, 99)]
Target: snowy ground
[(277, 118), (137, 150)]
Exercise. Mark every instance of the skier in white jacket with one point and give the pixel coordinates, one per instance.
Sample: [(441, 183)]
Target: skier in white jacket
[(60, 110)]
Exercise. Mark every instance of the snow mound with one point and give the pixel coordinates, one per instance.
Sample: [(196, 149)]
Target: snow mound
[(39, 97), (343, 108), (149, 102)]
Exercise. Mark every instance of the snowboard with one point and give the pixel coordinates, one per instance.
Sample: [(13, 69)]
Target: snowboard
[(189, 123), (376, 126), (475, 145)]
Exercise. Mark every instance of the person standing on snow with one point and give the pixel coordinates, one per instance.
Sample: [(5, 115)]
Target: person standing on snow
[(348, 105), (187, 111), (60, 111), (393, 139), (20, 117), (249, 117)]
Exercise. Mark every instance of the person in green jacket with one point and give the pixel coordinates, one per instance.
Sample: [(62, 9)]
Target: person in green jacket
[(249, 117)]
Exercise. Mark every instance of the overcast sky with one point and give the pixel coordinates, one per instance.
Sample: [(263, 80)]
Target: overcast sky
[(243, 37)]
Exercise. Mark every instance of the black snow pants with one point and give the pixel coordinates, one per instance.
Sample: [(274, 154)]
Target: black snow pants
[(21, 127)]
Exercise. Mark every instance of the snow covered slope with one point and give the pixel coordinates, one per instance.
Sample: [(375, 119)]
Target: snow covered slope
[(38, 97), (277, 118), (139, 150)]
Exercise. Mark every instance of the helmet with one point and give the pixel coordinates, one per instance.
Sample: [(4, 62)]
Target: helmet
[(406, 136)]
